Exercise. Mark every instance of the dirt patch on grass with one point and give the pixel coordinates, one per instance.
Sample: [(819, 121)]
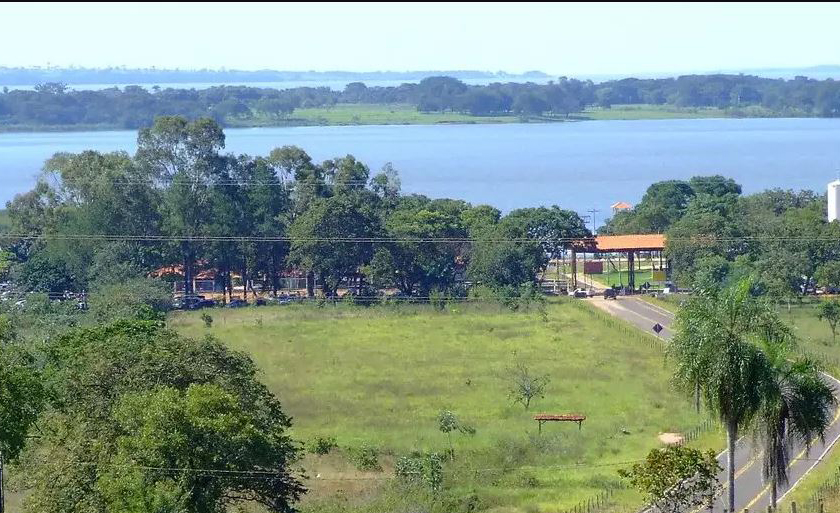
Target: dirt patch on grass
[(671, 438)]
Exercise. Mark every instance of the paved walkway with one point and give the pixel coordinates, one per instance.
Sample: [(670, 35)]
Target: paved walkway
[(750, 489)]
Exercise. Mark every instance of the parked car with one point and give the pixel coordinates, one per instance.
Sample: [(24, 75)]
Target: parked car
[(261, 301), (580, 293), (188, 302), (237, 303), (610, 294)]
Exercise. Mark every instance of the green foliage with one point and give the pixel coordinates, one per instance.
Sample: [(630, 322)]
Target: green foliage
[(423, 467), (675, 478), (132, 395), (321, 445), (132, 299), (525, 386), (829, 311), (22, 397), (365, 457), (207, 319)]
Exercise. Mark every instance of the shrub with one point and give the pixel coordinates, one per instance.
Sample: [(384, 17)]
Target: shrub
[(207, 319), (365, 457), (321, 445)]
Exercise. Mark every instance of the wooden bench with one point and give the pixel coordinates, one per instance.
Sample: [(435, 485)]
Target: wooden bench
[(566, 417)]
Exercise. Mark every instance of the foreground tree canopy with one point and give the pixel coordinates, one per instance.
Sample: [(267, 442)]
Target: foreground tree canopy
[(141, 419)]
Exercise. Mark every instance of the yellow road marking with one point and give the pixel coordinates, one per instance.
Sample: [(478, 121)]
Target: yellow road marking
[(792, 463)]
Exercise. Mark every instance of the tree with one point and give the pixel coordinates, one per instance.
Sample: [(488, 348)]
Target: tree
[(22, 398), (828, 274), (332, 238), (714, 351), (676, 478), (133, 394), (525, 386), (797, 406), (715, 185), (214, 431), (412, 261), (829, 311), (185, 156)]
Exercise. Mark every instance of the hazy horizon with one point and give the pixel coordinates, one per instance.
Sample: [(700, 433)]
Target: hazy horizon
[(558, 39)]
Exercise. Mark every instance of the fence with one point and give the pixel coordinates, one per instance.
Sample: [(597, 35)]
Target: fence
[(626, 329), (829, 490)]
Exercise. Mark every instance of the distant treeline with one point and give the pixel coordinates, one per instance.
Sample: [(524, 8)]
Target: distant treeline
[(133, 106), (24, 76)]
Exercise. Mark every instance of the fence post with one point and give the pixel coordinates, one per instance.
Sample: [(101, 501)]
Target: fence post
[(822, 507), (793, 507)]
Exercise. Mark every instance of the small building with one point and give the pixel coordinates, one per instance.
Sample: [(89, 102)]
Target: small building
[(620, 206)]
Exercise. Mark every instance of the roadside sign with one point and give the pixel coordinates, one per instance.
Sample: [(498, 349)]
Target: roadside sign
[(657, 328)]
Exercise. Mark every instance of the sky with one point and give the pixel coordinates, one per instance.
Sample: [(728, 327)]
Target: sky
[(560, 39)]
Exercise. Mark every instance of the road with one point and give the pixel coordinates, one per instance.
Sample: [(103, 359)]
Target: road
[(750, 489)]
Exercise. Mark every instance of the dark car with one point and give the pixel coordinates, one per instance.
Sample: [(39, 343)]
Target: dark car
[(189, 302), (237, 303), (610, 294), (261, 301)]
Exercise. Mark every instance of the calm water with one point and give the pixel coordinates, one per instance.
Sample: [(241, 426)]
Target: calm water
[(575, 165)]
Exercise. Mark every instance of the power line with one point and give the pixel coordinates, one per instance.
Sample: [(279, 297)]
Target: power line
[(251, 238)]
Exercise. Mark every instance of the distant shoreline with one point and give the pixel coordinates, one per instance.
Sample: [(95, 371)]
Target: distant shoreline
[(387, 115)]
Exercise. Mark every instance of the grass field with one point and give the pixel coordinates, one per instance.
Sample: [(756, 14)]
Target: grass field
[(403, 114), (380, 376)]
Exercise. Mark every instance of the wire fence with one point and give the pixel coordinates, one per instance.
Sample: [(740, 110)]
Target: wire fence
[(827, 495)]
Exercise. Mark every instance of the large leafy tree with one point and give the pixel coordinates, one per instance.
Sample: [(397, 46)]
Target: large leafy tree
[(333, 237), (184, 157), (133, 398), (412, 260), (22, 396)]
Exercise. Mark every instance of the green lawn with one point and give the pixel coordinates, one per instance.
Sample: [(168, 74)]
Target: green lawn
[(381, 376)]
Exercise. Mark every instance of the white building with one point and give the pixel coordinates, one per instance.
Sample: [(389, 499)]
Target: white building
[(834, 201)]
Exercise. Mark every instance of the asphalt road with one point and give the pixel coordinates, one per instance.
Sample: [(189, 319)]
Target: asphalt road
[(750, 490)]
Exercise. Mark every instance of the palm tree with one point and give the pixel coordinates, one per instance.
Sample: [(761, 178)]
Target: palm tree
[(715, 352), (798, 407)]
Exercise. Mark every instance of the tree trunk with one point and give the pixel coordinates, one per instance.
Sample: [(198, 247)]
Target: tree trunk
[(310, 284), (187, 272), (244, 273), (731, 437), (230, 284), (697, 396), (274, 279)]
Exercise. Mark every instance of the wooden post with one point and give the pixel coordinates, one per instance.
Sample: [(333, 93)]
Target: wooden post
[(822, 507), (793, 507)]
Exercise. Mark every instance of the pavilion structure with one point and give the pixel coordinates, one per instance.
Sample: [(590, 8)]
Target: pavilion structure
[(628, 247)]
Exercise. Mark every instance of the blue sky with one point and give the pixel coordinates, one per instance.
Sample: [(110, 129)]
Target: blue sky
[(563, 39)]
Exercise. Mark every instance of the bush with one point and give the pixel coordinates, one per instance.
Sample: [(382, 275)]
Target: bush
[(365, 457), (321, 445), (207, 319), (130, 299), (425, 467)]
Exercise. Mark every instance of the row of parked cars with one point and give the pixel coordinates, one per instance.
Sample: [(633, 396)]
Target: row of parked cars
[(197, 302)]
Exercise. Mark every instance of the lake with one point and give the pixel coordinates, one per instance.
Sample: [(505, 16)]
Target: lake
[(580, 166)]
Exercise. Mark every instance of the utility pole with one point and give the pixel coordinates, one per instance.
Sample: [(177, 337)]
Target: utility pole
[(594, 211)]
